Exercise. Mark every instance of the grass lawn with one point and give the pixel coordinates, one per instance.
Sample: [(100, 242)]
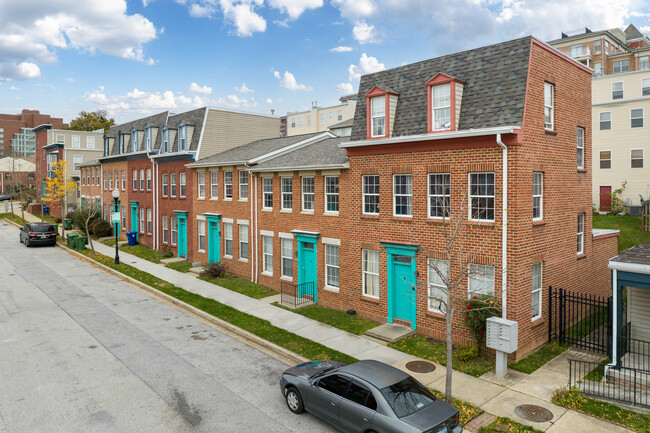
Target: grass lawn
[(109, 242), (436, 351), (507, 425), (142, 252), (48, 218), (630, 227), (336, 318), (15, 218), (180, 266), (260, 327), (242, 286)]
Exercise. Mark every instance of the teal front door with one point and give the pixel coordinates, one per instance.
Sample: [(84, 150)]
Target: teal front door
[(182, 236), (402, 282), (213, 237), (134, 217), (307, 266)]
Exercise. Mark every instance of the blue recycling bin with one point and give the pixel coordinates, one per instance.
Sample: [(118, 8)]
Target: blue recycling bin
[(46, 210), (132, 237)]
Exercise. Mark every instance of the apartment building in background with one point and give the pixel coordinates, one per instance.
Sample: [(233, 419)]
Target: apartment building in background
[(620, 101), (15, 173), (11, 124), (320, 119)]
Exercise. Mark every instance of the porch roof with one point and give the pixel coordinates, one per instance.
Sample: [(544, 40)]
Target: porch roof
[(637, 255)]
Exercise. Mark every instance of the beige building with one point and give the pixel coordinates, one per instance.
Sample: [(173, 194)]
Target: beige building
[(320, 119)]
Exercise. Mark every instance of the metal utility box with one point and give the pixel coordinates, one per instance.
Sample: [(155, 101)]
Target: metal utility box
[(502, 334)]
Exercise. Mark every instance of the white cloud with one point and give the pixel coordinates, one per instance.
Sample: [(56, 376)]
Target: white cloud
[(354, 9), (199, 90), (234, 101), (205, 10), (345, 88), (282, 23), (14, 88), (340, 49), (242, 15), (269, 101), (367, 65), (244, 89), (295, 8), (146, 3), (364, 33), (70, 80), (33, 30), (288, 81)]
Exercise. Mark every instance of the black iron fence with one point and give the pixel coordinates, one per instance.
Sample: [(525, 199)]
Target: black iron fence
[(297, 294), (629, 385), (634, 353), (580, 320)]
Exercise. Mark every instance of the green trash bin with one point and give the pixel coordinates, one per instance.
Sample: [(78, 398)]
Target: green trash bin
[(71, 239), (81, 242), (67, 223), (56, 229)]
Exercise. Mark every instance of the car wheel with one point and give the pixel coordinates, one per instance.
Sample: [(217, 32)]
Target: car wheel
[(294, 401), (27, 243), (20, 239)]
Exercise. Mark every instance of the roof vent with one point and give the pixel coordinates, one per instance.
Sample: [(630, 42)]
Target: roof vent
[(587, 30)]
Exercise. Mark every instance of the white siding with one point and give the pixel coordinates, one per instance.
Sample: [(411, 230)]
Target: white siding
[(392, 107), (639, 310), (459, 100)]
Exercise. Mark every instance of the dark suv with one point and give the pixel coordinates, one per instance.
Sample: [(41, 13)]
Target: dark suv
[(38, 234)]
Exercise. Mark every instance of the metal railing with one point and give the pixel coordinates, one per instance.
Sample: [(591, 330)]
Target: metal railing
[(297, 294), (634, 353), (629, 385)]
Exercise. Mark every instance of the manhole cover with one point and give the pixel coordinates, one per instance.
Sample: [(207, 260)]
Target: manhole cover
[(534, 413), (420, 366)]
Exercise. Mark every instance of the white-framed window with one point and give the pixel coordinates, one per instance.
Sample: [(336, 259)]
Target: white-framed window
[(481, 196), (200, 181), (165, 185), (90, 142), (340, 115), (331, 116), (538, 195), (120, 144), (142, 227), (164, 147), (322, 117), (148, 179), (227, 184), (243, 241), (645, 87), (621, 66), (441, 107), (300, 121), (643, 63), (214, 184), (332, 265), (308, 193), (580, 155), (147, 137), (172, 181), (182, 138), (201, 234), (105, 180), (605, 159), (370, 185), (581, 233), (227, 239), (110, 180), (182, 183), (636, 118), (286, 184), (135, 180), (267, 192), (243, 185), (174, 230), (60, 138), (165, 229), (636, 158), (537, 291), (377, 116), (76, 141), (617, 90), (267, 255), (134, 140), (123, 212), (331, 193), (576, 50), (83, 176), (548, 105), (142, 179), (437, 286), (123, 176), (439, 195), (149, 222), (78, 159), (370, 269), (597, 46), (287, 258), (480, 280), (403, 194), (308, 120), (605, 120), (598, 69)]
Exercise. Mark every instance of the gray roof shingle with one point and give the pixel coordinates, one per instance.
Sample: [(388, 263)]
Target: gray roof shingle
[(156, 120), (493, 95), (322, 153), (190, 118), (638, 254)]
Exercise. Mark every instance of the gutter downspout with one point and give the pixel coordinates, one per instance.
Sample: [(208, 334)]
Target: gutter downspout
[(251, 232), (154, 169), (504, 233), (615, 302), (256, 231)]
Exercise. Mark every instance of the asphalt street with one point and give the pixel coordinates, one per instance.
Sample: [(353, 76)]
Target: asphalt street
[(83, 351)]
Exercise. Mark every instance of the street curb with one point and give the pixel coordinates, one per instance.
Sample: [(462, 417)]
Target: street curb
[(287, 355)]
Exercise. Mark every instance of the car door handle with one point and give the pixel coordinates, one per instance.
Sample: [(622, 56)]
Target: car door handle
[(332, 403), (365, 419)]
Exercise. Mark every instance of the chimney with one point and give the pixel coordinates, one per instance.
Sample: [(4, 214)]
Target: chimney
[(272, 111)]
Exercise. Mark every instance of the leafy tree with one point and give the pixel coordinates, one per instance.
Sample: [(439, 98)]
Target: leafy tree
[(92, 121), (58, 187)]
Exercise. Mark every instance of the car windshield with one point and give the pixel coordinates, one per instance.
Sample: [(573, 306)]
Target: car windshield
[(42, 228), (407, 397), (327, 370)]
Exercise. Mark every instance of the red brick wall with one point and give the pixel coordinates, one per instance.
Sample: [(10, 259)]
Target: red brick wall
[(107, 194), (144, 197), (167, 205)]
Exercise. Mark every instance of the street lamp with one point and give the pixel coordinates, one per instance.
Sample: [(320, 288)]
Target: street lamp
[(116, 195)]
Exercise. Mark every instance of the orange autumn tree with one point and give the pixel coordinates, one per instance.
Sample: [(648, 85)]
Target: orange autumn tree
[(58, 186)]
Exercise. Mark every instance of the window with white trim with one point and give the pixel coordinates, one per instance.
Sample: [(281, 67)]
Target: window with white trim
[(110, 180), (267, 192), (580, 153), (480, 280), (90, 142), (200, 181), (370, 272), (243, 241), (548, 105), (134, 140), (308, 120), (78, 159), (636, 118), (142, 226), (403, 194), (300, 121), (605, 121), (76, 141), (605, 159), (147, 138), (636, 158), (243, 185), (164, 147), (441, 107), (182, 138), (617, 90), (332, 265), (174, 230), (340, 115), (439, 195), (149, 222), (322, 117), (621, 66), (142, 179), (287, 258), (105, 180), (123, 180), (537, 291), (123, 210), (165, 229), (201, 234), (643, 63), (227, 184), (182, 183), (214, 184), (135, 180), (165, 185), (331, 193), (581, 233), (287, 193), (172, 181), (377, 116), (267, 254), (148, 179), (645, 87), (227, 239), (60, 138), (370, 194), (481, 196), (538, 194), (308, 193), (437, 287)]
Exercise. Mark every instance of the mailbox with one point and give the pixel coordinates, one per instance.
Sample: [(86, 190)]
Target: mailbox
[(501, 334)]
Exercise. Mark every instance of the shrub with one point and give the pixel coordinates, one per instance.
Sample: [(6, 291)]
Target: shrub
[(215, 270), (58, 220), (79, 218), (168, 255), (477, 310), (466, 353), (569, 397), (101, 228)]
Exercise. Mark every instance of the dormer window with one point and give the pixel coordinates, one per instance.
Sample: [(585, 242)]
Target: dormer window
[(378, 116), (147, 137), (121, 144), (134, 140), (441, 107), (381, 102), (106, 149), (444, 95), (182, 138), (165, 141)]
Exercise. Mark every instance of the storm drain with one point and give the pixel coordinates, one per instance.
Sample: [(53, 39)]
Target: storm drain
[(534, 413), (421, 366)]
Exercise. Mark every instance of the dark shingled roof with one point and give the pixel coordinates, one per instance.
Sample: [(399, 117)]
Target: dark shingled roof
[(639, 254), (254, 149), (631, 32), (319, 154), (493, 94), (190, 118), (157, 121), (343, 124)]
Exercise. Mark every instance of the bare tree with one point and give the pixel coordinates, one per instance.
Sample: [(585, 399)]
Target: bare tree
[(26, 195), (91, 211)]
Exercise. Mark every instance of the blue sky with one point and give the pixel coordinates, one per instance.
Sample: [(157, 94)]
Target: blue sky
[(138, 57)]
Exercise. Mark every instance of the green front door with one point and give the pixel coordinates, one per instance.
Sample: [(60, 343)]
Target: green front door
[(213, 237), (134, 217), (182, 234), (402, 288)]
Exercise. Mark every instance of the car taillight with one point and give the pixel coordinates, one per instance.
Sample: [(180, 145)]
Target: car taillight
[(32, 234)]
